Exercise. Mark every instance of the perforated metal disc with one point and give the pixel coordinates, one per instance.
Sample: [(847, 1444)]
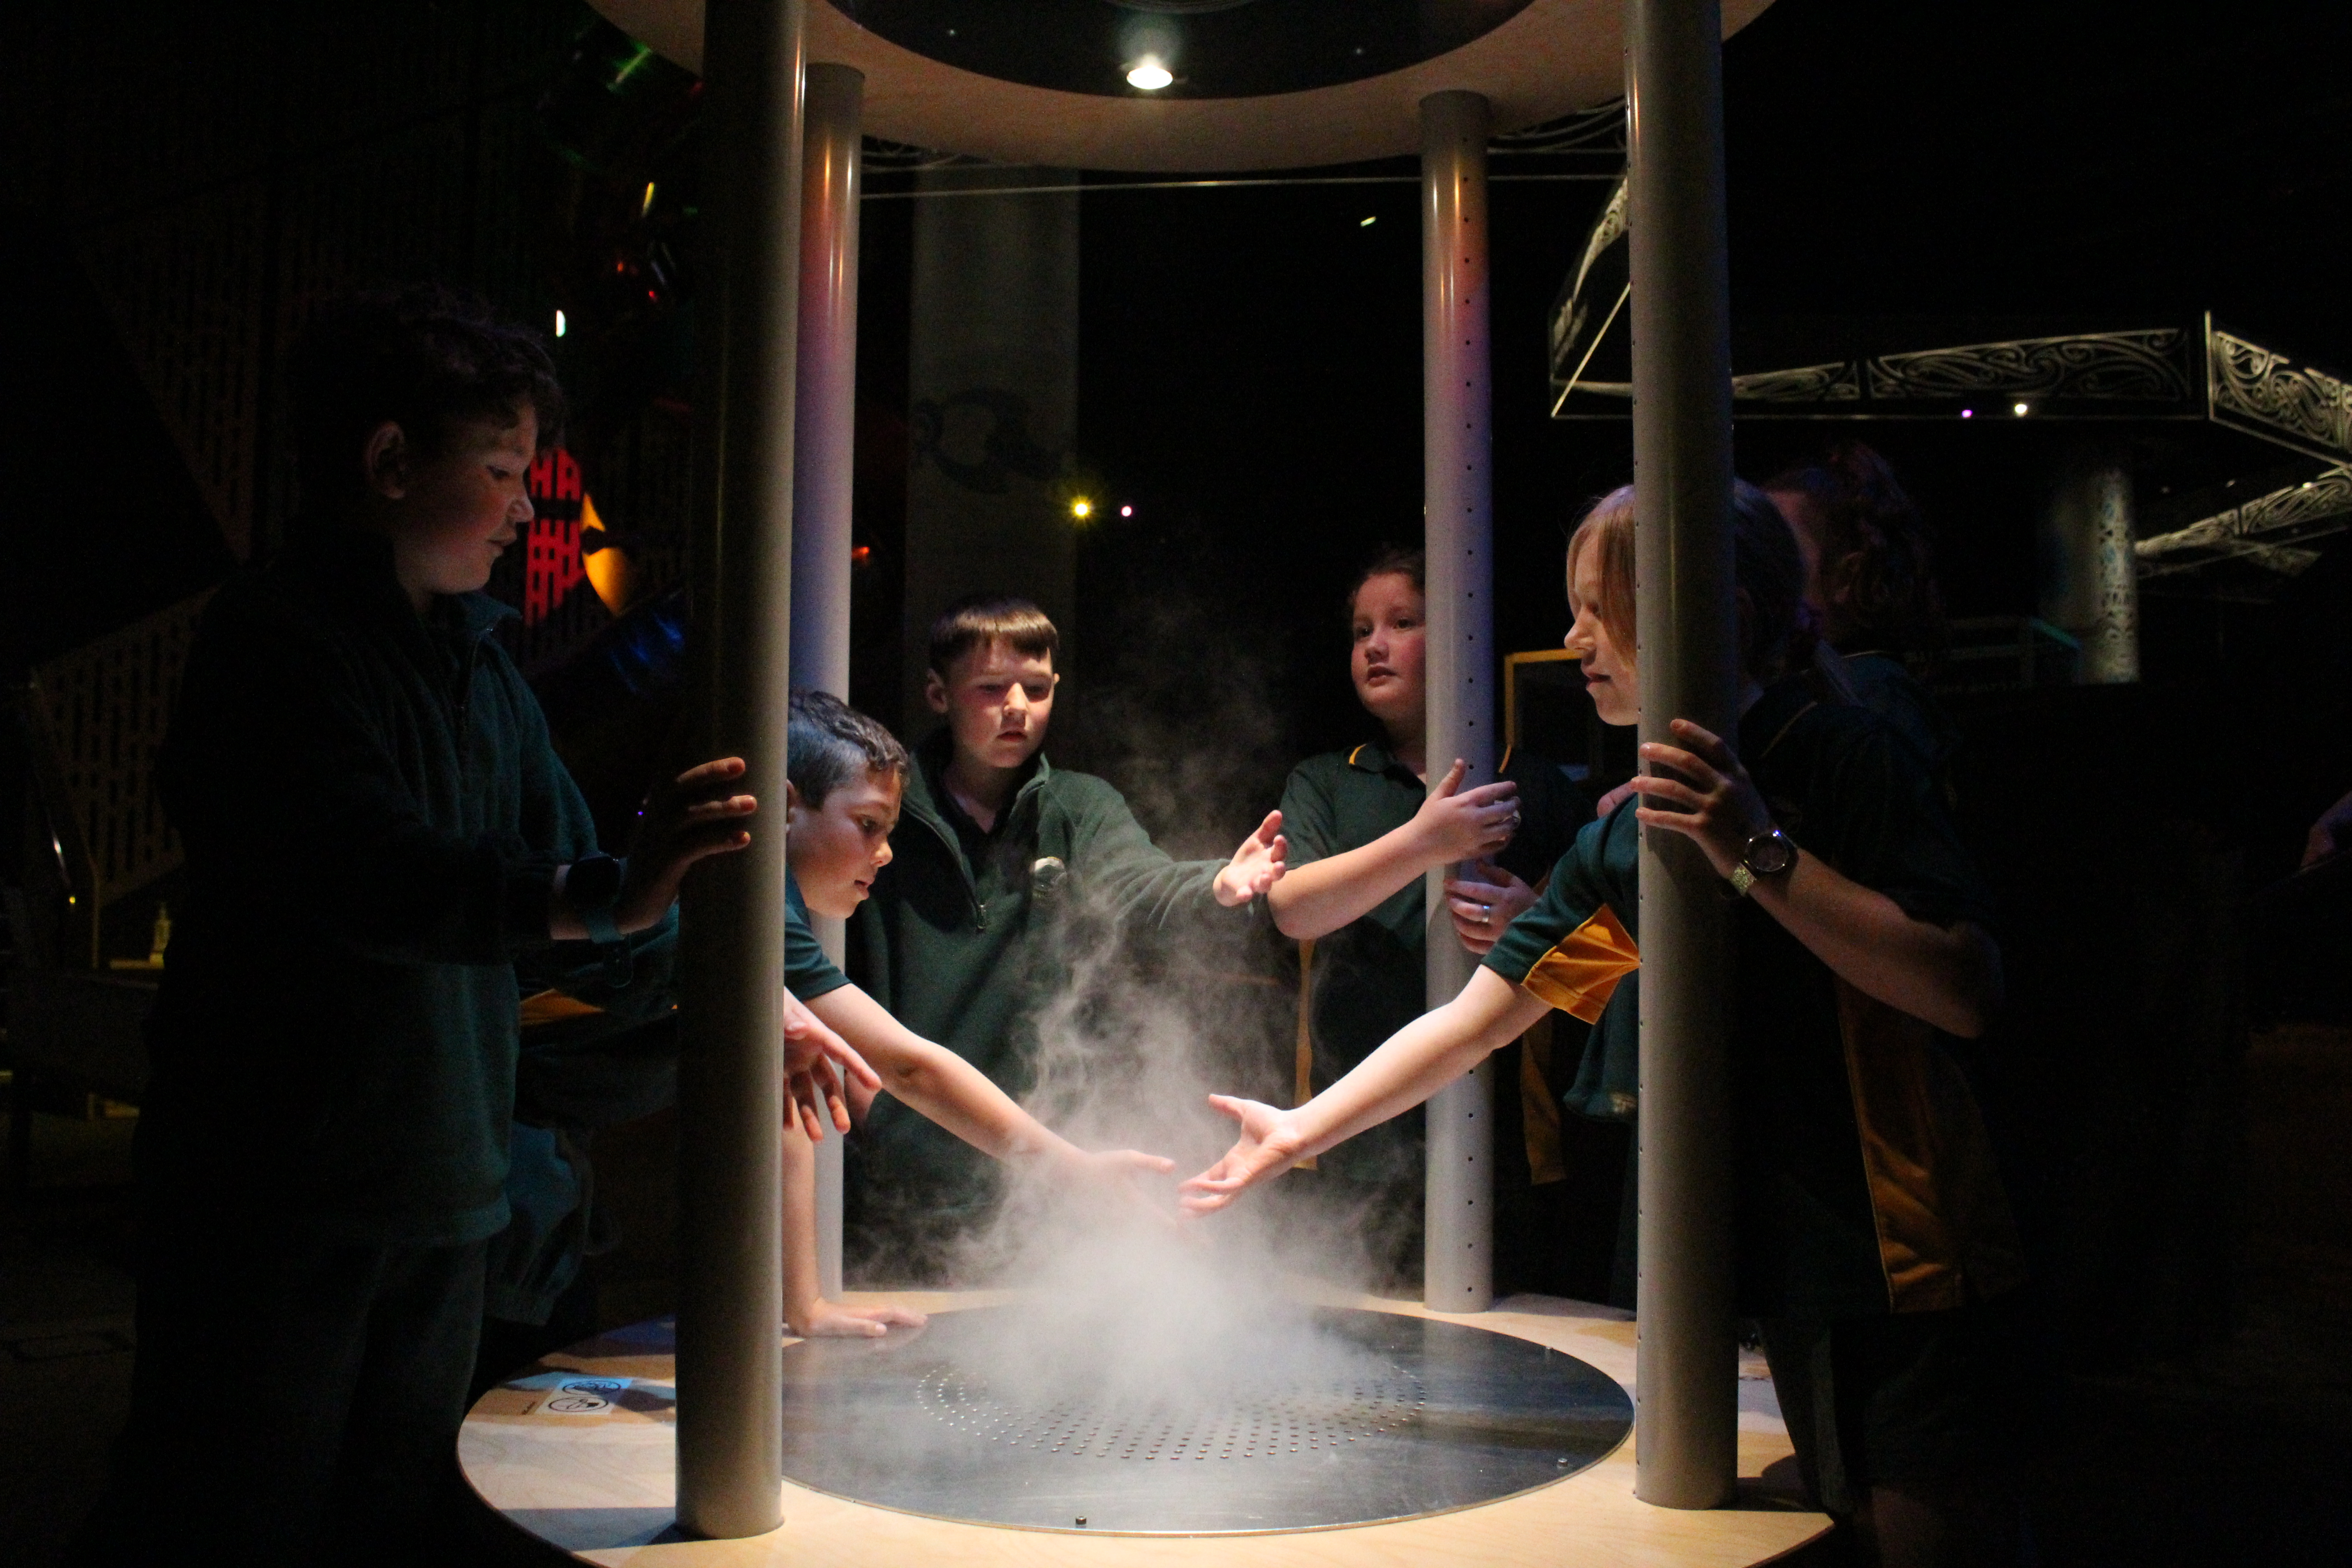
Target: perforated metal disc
[(1409, 1416)]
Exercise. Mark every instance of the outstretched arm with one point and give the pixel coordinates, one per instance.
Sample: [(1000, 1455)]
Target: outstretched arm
[(949, 1090), (1949, 976), (1453, 824), (1416, 1062)]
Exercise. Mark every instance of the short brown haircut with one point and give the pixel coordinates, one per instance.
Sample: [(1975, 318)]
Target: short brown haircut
[(1393, 561), (979, 619)]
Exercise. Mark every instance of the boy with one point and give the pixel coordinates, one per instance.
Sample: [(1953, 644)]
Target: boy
[(848, 776), (377, 833), (996, 846)]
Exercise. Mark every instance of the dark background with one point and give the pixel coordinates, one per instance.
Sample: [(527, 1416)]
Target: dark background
[(180, 180)]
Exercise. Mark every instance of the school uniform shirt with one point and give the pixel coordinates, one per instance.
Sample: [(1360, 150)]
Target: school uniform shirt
[(968, 933), (1865, 1181), (1368, 977), (372, 815), (1883, 684)]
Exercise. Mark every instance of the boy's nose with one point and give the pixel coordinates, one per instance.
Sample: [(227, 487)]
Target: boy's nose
[(521, 509), (884, 855)]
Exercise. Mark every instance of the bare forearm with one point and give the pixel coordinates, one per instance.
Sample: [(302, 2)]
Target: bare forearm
[(938, 1084), (1947, 976), (1420, 1059), (1318, 898), (802, 1287)]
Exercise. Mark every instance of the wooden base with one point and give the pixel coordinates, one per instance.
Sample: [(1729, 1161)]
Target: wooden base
[(592, 1471)]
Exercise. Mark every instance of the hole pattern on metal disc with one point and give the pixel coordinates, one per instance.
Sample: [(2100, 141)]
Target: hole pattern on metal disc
[(1301, 1418)]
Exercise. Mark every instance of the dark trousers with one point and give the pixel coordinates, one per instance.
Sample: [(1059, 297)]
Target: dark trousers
[(293, 1398)]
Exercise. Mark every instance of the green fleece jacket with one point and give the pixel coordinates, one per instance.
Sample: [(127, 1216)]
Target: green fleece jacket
[(966, 948), (372, 815)]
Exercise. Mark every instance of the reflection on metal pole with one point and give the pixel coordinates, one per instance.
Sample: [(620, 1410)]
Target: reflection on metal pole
[(1458, 516), (1685, 1381), (2090, 573), (824, 466), (730, 1095)]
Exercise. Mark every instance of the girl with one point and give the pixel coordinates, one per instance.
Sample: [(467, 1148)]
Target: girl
[(1363, 829), (1870, 1230)]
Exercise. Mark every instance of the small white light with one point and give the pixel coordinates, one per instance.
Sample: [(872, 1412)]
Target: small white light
[(2017, 408), (1369, 221), (1149, 75), (1126, 511), (559, 323), (1967, 413)]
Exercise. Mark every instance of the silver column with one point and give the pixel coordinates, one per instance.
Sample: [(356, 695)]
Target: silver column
[(1685, 1380), (731, 1096), (1458, 520), (823, 464), (2090, 582)]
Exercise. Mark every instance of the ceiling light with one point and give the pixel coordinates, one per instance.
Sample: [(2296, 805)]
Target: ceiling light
[(560, 323), (1149, 75), (1369, 221), (1082, 509), (2017, 408), (1130, 511)]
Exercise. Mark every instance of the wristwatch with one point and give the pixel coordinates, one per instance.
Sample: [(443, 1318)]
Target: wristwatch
[(1770, 853), (592, 889)]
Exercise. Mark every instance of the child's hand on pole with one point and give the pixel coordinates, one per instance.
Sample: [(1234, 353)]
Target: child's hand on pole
[(1484, 906), (693, 815), (1257, 866), (1456, 824), (810, 1088), (1714, 803), (1269, 1144)]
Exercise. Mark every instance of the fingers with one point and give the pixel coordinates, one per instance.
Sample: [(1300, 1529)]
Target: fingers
[(1704, 741), (1654, 787), (1477, 892), (1158, 1164), (1268, 832), (1694, 767), (1453, 779), (1504, 793), (704, 774), (1236, 1108), (840, 1051)]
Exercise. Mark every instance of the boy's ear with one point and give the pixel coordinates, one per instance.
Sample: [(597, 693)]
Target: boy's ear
[(793, 804), (935, 692), (383, 461)]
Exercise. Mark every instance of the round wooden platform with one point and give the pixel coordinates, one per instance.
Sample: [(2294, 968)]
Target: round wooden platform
[(589, 1468)]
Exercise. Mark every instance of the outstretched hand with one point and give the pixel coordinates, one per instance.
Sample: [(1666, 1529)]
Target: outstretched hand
[(1268, 1145), (834, 1320), (1257, 866), (693, 817), (1458, 824), (811, 1088), (1719, 807)]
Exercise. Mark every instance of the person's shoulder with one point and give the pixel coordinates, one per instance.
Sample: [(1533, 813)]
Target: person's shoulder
[(1083, 796)]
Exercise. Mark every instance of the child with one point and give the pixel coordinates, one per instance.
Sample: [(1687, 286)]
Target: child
[(1870, 1232), (377, 831), (848, 776), (1363, 829), (995, 847)]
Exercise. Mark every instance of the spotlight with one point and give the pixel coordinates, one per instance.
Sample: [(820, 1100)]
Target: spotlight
[(1148, 75), (647, 207), (2017, 408), (1967, 413), (1130, 511), (1082, 509), (1369, 221), (559, 323)]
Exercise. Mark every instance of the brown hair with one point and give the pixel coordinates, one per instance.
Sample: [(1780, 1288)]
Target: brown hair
[(980, 619), (1879, 547), (1777, 630), (1393, 561), (828, 743)]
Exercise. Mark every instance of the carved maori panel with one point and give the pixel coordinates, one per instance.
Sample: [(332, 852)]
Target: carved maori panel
[(2138, 368), (2260, 390)]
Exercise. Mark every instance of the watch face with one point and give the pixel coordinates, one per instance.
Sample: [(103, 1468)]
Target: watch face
[(1769, 854)]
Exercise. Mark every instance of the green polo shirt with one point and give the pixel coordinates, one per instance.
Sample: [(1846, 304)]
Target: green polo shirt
[(1865, 1180), (1368, 976), (808, 973)]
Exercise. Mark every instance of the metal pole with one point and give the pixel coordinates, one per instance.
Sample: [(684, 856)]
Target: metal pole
[(730, 1093), (1685, 1378), (1458, 520), (2089, 572), (824, 466)]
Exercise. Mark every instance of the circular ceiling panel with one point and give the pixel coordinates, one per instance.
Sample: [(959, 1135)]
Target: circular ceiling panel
[(1533, 61), (1205, 48)]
